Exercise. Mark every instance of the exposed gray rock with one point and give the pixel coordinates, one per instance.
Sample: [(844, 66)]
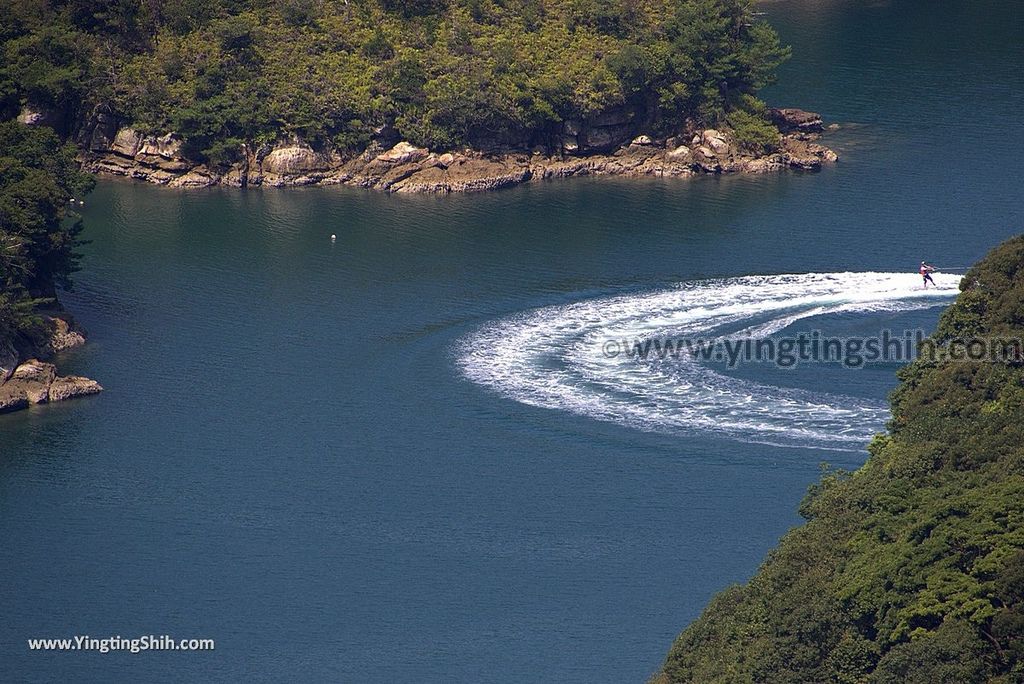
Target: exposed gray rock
[(37, 382), (35, 370), (607, 138), (34, 379), (791, 119), (236, 177), (127, 142), (603, 145), (199, 177), (172, 165), (64, 334), (165, 146), (716, 140), (100, 128), (73, 386), (403, 153), (679, 153), (290, 159), (101, 138), (30, 381), (12, 398)]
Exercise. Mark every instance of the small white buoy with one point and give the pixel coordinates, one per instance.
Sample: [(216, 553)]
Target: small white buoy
[(333, 237), (81, 201)]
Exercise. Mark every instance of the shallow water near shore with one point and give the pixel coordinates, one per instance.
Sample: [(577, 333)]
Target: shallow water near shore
[(292, 459)]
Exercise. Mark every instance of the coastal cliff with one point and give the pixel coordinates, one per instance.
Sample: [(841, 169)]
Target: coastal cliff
[(604, 149), (911, 569)]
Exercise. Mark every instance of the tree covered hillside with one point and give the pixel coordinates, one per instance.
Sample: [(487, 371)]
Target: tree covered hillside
[(38, 233), (440, 73), (910, 569)]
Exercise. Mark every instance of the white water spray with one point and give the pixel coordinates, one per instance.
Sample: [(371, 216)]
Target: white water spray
[(552, 357)]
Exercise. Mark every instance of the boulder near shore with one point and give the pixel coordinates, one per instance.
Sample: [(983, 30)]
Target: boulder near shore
[(25, 381)]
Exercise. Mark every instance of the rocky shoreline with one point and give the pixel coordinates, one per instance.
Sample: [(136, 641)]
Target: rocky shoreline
[(602, 146), (584, 149), (25, 379)]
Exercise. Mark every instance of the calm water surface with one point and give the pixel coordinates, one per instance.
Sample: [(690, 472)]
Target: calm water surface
[(289, 459)]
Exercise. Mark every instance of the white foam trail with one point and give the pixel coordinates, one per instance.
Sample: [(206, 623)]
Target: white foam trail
[(553, 357)]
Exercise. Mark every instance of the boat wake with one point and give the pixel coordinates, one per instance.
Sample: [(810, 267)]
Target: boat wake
[(555, 357)]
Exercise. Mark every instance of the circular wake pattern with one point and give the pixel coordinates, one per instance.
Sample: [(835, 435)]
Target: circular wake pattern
[(556, 357)]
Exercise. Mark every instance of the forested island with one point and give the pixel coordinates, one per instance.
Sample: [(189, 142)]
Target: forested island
[(404, 95), (910, 569)]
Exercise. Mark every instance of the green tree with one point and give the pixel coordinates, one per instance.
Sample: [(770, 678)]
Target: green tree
[(910, 569), (38, 235), (441, 72)]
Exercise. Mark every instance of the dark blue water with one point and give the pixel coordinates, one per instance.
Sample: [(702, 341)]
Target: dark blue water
[(288, 460)]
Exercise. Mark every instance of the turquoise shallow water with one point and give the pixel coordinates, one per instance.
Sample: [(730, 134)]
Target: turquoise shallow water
[(289, 458)]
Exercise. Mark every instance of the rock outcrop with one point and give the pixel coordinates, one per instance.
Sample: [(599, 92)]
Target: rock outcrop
[(127, 143), (37, 382), (100, 129), (27, 381), (156, 159), (608, 144), (789, 120), (61, 334), (292, 164), (403, 153)]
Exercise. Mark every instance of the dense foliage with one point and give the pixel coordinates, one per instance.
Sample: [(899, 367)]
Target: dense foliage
[(441, 72), (910, 569), (38, 175)]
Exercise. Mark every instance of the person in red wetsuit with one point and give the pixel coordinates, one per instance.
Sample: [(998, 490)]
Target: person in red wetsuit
[(926, 273)]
